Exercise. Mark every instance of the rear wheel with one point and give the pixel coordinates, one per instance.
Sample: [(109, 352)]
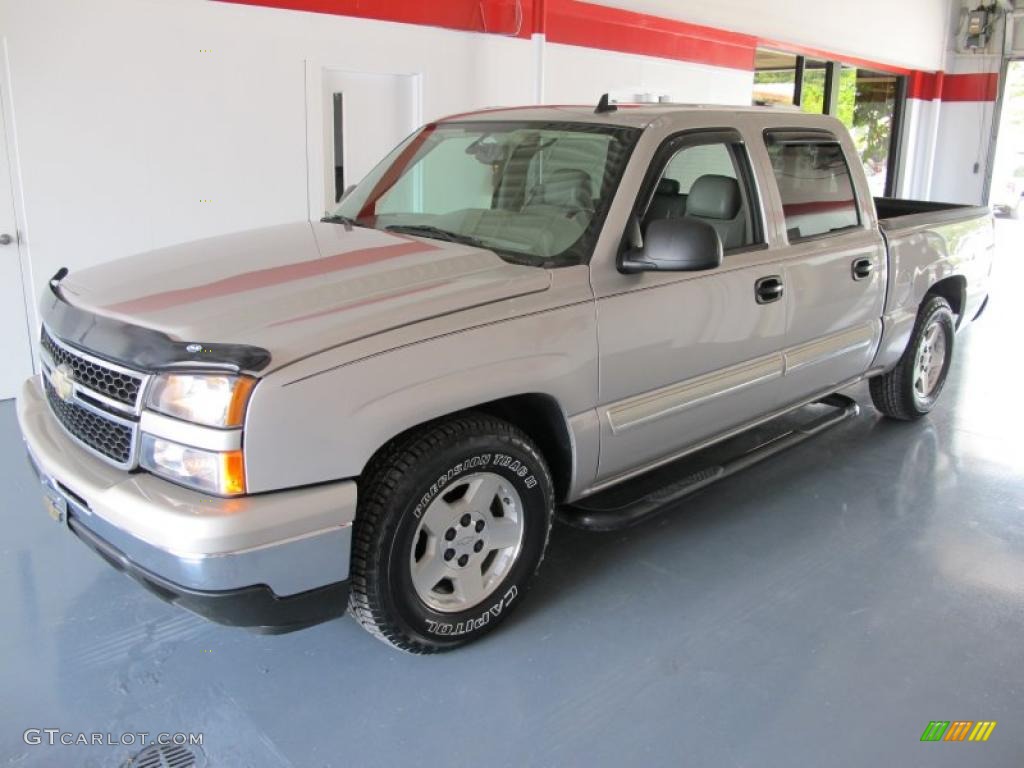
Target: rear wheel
[(452, 524), (911, 389)]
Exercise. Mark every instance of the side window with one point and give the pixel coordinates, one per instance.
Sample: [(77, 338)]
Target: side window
[(708, 182), (691, 163), (814, 184)]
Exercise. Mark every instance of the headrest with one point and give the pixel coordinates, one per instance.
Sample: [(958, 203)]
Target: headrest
[(667, 187), (566, 188), (714, 197)]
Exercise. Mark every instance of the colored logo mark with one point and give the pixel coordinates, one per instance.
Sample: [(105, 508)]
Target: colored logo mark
[(958, 730)]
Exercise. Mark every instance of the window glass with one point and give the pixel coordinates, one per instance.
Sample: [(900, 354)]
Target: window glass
[(534, 193), (702, 181), (693, 162), (814, 184)]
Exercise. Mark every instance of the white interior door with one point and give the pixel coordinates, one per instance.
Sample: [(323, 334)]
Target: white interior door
[(365, 116), (15, 348)]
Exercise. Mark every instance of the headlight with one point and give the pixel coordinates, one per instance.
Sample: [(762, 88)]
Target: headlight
[(222, 473), (216, 400)]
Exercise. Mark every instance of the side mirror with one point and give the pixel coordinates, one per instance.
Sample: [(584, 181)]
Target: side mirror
[(675, 245)]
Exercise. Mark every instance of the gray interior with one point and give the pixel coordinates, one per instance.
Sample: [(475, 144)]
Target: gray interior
[(716, 200)]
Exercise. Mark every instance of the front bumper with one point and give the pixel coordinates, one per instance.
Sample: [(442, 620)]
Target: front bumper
[(276, 560)]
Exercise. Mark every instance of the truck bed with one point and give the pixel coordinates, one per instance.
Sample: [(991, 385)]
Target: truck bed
[(928, 243)]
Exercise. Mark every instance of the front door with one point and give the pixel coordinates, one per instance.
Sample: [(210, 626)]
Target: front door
[(15, 348), (686, 356)]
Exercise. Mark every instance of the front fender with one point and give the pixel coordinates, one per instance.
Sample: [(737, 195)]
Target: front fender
[(304, 428)]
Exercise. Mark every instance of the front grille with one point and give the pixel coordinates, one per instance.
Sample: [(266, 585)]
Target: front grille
[(117, 385), (102, 435)]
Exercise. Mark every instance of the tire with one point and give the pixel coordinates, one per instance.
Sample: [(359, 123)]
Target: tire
[(425, 501), (911, 389)]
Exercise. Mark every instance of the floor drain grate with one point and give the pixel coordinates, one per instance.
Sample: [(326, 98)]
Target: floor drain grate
[(163, 756)]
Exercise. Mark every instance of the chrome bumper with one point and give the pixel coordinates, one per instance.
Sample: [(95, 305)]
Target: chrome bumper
[(289, 541)]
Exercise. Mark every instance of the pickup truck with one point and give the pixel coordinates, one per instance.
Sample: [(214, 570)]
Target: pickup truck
[(518, 312)]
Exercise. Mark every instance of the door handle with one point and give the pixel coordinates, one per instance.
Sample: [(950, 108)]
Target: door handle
[(6, 239), (862, 268), (768, 289)]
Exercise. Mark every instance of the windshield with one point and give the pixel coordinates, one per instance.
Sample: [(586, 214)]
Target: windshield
[(534, 192)]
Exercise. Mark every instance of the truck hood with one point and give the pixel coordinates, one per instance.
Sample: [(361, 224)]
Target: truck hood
[(297, 289)]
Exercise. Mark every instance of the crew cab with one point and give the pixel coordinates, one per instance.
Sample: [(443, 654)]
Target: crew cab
[(517, 313)]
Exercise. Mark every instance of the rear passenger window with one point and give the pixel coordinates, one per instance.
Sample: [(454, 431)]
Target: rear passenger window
[(707, 181), (814, 184)]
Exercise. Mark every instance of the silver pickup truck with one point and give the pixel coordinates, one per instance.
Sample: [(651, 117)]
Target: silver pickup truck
[(519, 314)]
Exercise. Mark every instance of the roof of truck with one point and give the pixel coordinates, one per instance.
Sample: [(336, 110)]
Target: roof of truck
[(632, 115)]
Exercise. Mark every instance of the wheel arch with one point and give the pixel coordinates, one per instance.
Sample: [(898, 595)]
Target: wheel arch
[(954, 290), (537, 414)]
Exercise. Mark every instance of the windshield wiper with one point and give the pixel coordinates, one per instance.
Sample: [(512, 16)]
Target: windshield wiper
[(426, 230), (337, 218)]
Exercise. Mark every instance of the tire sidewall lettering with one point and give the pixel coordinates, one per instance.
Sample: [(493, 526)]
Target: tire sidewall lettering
[(473, 463), (454, 629)]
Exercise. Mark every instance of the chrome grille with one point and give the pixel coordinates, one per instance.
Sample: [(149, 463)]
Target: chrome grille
[(100, 405), (103, 378)]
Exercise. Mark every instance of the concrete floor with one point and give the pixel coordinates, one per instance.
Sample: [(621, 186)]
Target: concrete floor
[(819, 609)]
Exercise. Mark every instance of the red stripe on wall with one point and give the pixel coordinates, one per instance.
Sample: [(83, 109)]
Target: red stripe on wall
[(924, 85), (974, 87), (494, 16), (568, 21), (572, 22), (983, 86), (613, 29)]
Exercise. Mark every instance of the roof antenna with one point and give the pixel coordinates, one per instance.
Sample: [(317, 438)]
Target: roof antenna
[(603, 106)]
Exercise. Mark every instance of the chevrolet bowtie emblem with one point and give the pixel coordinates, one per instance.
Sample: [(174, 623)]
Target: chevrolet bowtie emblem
[(63, 381)]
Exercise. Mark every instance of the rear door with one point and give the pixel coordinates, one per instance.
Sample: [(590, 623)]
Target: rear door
[(687, 355), (835, 259)]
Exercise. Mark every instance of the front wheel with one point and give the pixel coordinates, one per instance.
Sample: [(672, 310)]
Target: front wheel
[(452, 524), (911, 389)]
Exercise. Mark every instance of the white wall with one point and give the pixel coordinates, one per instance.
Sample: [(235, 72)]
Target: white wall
[(920, 130), (961, 153), (575, 75), (910, 33)]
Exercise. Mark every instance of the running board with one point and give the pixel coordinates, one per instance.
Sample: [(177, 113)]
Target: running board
[(634, 501)]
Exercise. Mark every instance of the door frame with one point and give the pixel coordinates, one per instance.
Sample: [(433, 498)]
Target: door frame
[(997, 119), (317, 151), (8, 135)]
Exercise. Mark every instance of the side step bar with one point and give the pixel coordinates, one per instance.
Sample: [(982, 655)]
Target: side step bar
[(643, 497)]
